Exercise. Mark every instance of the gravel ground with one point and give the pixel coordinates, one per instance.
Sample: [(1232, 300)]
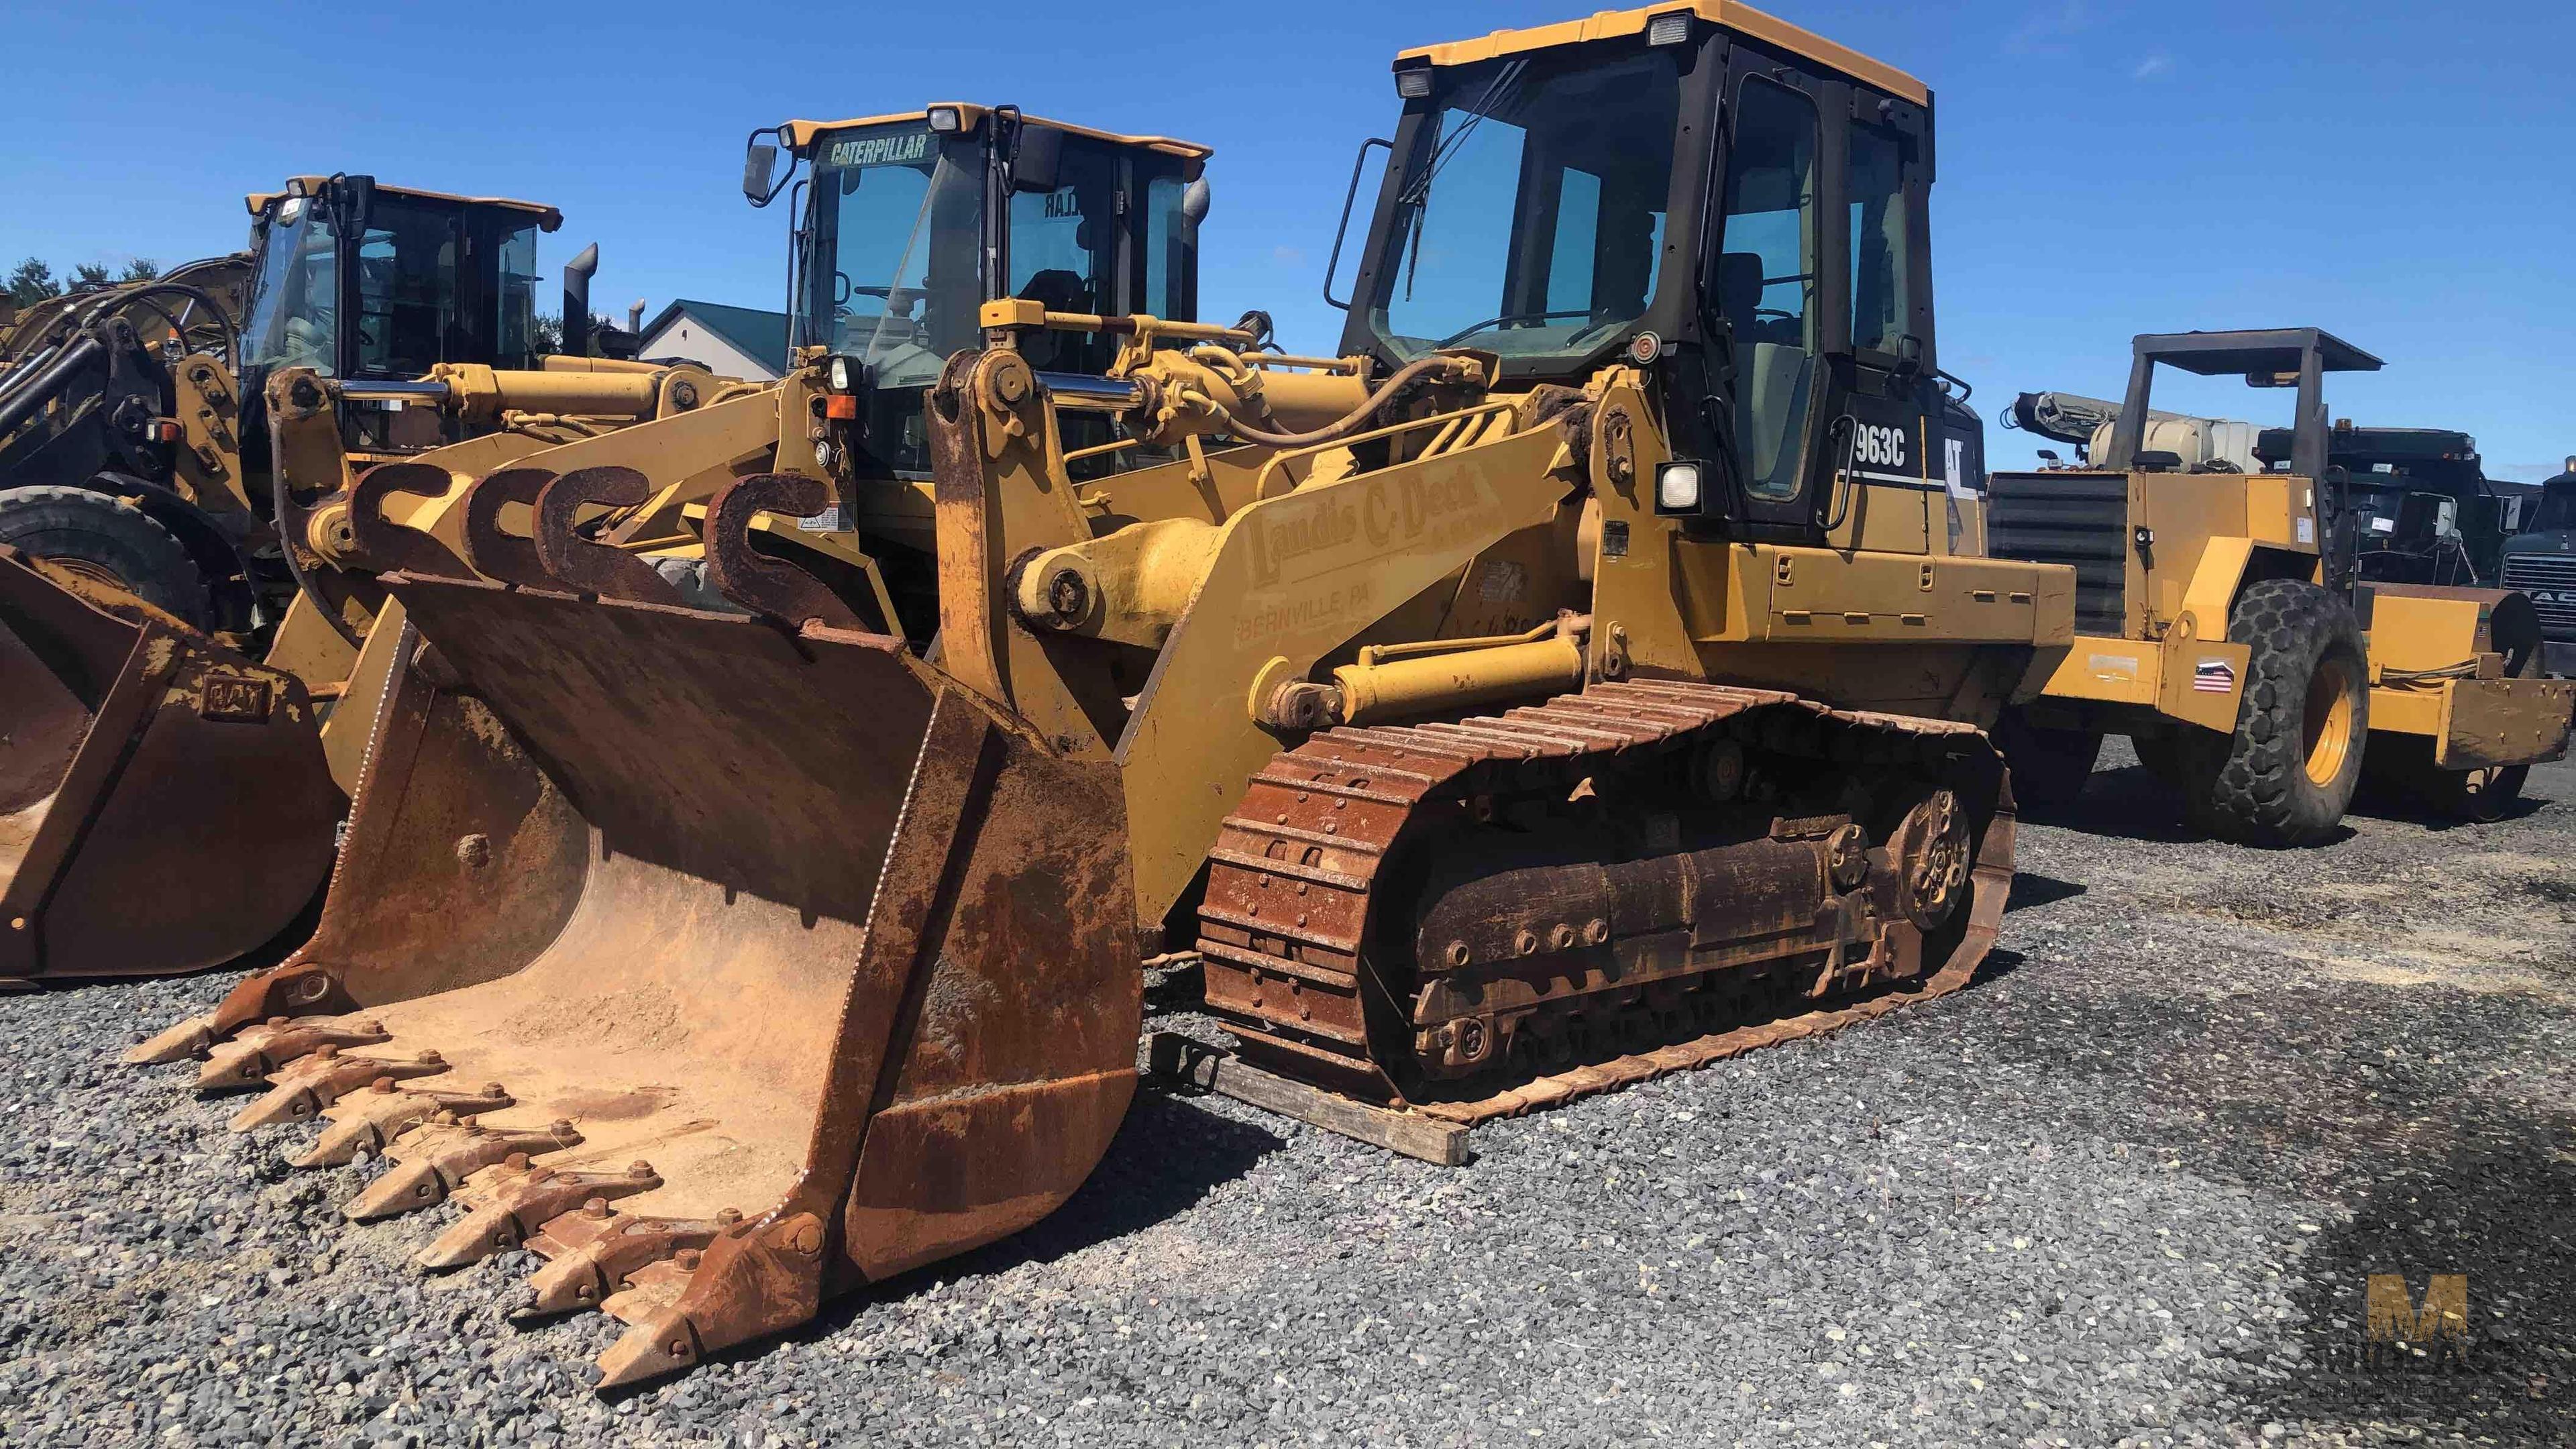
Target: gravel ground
[(2125, 1189)]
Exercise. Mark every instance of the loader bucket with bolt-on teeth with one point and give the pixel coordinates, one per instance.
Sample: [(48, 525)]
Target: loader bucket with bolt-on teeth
[(164, 802), (844, 951)]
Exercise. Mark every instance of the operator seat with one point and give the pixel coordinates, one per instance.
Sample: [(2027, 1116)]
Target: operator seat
[(1057, 290)]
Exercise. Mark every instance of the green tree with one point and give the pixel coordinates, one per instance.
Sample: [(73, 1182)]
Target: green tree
[(31, 283), (545, 335), (34, 281)]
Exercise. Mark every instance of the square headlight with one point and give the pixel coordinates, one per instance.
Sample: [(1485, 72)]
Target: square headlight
[(1677, 486)]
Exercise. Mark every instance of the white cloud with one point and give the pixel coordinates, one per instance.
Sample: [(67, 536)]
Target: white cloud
[(2047, 29), (2153, 66)]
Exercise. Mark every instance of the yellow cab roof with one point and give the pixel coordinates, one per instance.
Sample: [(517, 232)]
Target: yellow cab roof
[(1725, 14), (801, 134), (547, 217)]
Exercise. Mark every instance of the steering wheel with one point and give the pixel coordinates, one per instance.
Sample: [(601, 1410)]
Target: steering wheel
[(844, 289)]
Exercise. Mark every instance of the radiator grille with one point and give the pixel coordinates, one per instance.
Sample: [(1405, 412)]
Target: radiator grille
[(2078, 519), (2551, 580)]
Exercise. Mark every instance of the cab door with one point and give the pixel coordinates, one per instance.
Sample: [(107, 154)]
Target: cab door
[(1886, 451), (1765, 277)]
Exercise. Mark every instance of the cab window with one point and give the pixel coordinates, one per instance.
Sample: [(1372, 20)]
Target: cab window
[(1880, 243), (1169, 246), (407, 267), (1064, 252), (1766, 280), (514, 303)]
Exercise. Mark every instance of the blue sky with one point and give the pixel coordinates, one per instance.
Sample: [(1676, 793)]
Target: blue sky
[(2106, 168)]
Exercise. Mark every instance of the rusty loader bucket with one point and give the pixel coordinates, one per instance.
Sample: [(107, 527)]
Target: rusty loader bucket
[(730, 961), (164, 802)]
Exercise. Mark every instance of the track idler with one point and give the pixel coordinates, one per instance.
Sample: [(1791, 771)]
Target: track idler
[(843, 951)]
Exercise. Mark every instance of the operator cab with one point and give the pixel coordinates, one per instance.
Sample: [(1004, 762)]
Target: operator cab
[(1544, 202), (908, 224), (357, 280)]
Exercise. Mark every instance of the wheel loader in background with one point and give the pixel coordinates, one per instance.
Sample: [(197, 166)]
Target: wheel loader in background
[(222, 859), (155, 446), (2225, 625), (1571, 682), (181, 605)]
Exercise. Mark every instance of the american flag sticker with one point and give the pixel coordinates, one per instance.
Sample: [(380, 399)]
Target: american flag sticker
[(2214, 676)]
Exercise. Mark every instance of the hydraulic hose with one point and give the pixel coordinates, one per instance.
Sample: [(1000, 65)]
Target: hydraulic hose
[(24, 389), (231, 334), (23, 400), (1358, 419)]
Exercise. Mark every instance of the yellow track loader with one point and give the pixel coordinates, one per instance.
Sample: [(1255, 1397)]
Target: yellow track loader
[(2225, 628), (1569, 682)]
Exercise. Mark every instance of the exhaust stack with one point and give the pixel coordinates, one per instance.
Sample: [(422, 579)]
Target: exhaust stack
[(576, 300)]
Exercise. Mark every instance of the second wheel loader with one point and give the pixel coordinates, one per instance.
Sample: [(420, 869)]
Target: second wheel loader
[(159, 833), (1569, 682), (182, 599)]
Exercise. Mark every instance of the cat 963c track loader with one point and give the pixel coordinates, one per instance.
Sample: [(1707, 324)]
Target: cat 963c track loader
[(1571, 681)]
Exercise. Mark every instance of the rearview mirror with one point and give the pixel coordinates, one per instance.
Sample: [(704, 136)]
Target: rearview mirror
[(759, 169), (1038, 159)]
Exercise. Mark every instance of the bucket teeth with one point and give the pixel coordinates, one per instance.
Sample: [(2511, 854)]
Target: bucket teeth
[(655, 1286), (434, 1161), (662, 1342), (260, 1050), (364, 1124), (521, 1206), (595, 1254), (189, 1038), (303, 1088)]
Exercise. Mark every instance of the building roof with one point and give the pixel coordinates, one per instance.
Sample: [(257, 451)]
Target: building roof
[(1725, 14), (800, 135), (756, 334)]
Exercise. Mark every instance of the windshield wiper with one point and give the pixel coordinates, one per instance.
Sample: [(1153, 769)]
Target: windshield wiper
[(1509, 76), (1416, 196)]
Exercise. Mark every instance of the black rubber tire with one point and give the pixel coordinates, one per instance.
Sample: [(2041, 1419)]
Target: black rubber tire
[(2253, 786), (2163, 755), (96, 532), (2049, 766), (2400, 773)]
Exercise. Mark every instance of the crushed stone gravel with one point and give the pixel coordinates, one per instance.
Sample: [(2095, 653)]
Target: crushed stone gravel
[(2125, 1189)]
